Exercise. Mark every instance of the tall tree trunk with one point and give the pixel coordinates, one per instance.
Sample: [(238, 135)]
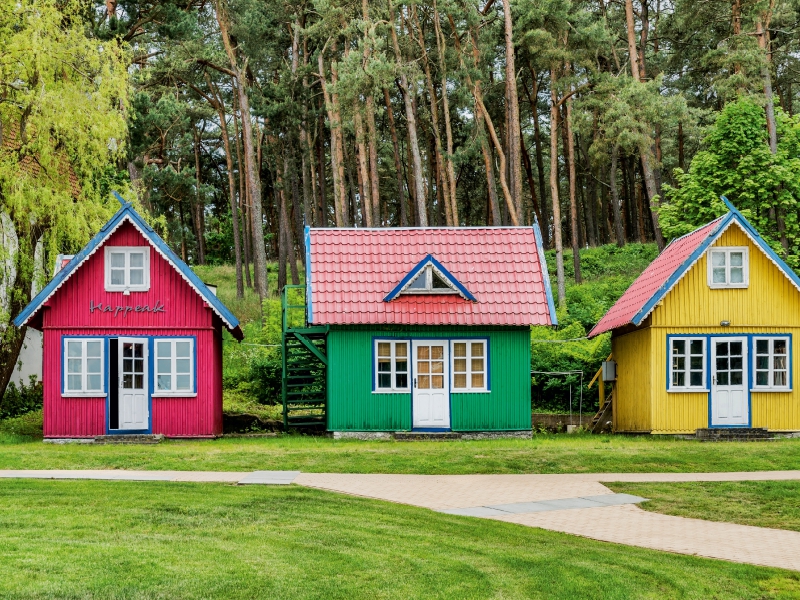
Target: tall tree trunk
[(573, 203), (372, 143), (243, 203), (322, 178), (612, 182), (337, 152), (562, 292), (397, 163), (198, 204), (644, 150), (512, 107), (253, 176), (526, 160), (451, 178), (488, 162), (411, 121), (291, 176), (365, 187), (537, 139)]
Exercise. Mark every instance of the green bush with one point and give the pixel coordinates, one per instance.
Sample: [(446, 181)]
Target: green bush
[(22, 399), (265, 379)]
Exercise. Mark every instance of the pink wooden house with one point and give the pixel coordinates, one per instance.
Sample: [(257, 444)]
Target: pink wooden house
[(132, 339)]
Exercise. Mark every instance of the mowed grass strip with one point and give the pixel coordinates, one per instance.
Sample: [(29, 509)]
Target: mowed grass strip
[(760, 503), (81, 539), (543, 454)]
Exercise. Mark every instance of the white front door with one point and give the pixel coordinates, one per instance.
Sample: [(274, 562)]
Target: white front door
[(431, 396), (134, 413), (729, 394)]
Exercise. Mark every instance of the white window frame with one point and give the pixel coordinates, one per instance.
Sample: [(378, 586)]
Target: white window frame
[(687, 370), (127, 287), (771, 387), (470, 389), (427, 273), (173, 392), (376, 379), (83, 392), (745, 264)]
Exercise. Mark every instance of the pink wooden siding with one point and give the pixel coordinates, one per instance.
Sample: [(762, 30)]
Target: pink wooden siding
[(185, 314)]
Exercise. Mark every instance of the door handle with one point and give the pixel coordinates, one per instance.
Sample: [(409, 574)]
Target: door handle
[(713, 380), (415, 382)]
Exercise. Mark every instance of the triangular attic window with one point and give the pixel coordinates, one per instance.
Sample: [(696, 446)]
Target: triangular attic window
[(430, 281)]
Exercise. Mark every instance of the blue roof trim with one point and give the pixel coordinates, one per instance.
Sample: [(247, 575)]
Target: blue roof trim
[(733, 215), (548, 290), (127, 211), (309, 306), (429, 259)]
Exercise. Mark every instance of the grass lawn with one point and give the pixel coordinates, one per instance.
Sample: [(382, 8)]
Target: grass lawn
[(760, 503), (544, 454), (79, 539)]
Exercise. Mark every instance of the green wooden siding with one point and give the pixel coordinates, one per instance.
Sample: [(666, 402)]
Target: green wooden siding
[(352, 405)]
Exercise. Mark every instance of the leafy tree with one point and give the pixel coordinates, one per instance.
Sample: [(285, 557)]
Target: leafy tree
[(737, 163), (63, 97)]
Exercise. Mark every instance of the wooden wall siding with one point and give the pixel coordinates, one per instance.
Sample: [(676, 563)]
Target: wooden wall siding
[(352, 405), (69, 306), (771, 299), (632, 389)]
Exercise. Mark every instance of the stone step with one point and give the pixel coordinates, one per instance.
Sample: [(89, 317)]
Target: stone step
[(125, 438), (737, 434), (429, 436)]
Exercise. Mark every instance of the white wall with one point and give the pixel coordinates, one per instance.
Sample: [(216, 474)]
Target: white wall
[(30, 357)]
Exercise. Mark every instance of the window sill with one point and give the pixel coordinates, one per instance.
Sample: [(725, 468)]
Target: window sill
[(462, 391), (775, 389), (740, 286), (174, 395), (402, 391), (676, 390), (129, 289), (83, 395)]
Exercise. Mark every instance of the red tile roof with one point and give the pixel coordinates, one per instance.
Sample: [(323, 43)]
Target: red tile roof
[(652, 279), (353, 270)]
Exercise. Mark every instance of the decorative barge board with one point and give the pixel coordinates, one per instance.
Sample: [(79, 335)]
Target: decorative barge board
[(132, 339), (428, 329), (703, 339)]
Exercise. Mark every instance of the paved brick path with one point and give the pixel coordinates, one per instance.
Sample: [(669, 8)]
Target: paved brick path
[(624, 524)]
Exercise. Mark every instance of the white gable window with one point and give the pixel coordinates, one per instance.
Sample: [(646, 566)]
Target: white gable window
[(469, 366), (728, 268), (687, 364), (771, 363), (83, 367), (127, 268), (391, 366), (430, 281), (174, 367)]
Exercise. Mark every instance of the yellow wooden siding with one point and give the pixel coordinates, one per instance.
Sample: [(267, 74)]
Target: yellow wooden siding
[(632, 388), (770, 305)]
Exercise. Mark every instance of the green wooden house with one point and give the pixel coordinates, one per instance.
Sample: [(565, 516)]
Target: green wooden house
[(415, 329)]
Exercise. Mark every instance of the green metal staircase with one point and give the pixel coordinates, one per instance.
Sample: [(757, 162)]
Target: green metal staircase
[(305, 364)]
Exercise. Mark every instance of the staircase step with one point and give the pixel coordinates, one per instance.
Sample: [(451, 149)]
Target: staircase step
[(734, 434)]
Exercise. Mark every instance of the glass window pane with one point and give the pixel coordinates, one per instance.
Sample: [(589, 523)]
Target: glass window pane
[(438, 283), (762, 346), (477, 364), (401, 380), (74, 348), (74, 365), (460, 365), (138, 382), (127, 365), (678, 378), (437, 366), (762, 378), (401, 349), (401, 366), (423, 351), (737, 275), (762, 362), (424, 367), (138, 366), (182, 365), (137, 259), (164, 382), (163, 365), (384, 380), (460, 380), (384, 365), (722, 348), (437, 382), (117, 259), (477, 380), (127, 381), (736, 362), (93, 365), (696, 363), (736, 348), (696, 346), (722, 364), (779, 362), (127, 349), (74, 382), (182, 382), (718, 275), (695, 379), (93, 382), (384, 349), (420, 283), (780, 378), (163, 349), (437, 352), (137, 277), (718, 259), (779, 346), (678, 363), (117, 277), (736, 259), (678, 347), (459, 349), (736, 377), (424, 382), (138, 350), (477, 349), (722, 378), (93, 349)]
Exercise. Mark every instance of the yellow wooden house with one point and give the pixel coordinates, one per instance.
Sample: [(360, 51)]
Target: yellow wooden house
[(704, 337)]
